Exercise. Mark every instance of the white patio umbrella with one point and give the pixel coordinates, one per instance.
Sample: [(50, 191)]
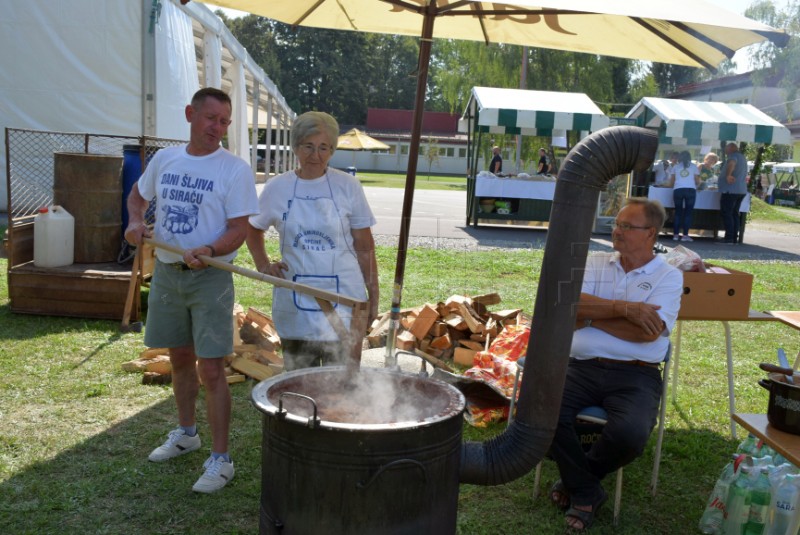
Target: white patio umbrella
[(684, 32)]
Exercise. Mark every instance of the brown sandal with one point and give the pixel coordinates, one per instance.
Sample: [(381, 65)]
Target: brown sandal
[(586, 517)]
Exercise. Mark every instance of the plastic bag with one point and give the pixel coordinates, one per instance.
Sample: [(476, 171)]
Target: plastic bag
[(685, 259)]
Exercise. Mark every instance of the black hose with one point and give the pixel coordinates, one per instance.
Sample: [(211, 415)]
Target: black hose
[(586, 171)]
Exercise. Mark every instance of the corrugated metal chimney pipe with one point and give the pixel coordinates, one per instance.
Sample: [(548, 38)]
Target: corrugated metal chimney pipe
[(586, 171)]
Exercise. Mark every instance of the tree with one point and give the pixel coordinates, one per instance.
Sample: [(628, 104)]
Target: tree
[(431, 154), (781, 65)]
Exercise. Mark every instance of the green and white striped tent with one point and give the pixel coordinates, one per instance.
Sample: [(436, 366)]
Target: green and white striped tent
[(530, 113), (698, 123)]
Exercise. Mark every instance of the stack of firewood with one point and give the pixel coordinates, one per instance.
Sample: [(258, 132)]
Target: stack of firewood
[(254, 352), (444, 333), (450, 331)]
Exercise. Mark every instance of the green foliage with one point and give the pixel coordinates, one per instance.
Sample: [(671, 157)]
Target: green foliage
[(780, 66)]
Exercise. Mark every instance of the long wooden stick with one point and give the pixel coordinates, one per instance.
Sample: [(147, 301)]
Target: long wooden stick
[(333, 297), (324, 298)]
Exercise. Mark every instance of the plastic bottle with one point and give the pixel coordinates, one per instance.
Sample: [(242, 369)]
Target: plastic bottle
[(53, 237), (784, 517), (711, 521), (737, 510), (748, 445), (760, 498)]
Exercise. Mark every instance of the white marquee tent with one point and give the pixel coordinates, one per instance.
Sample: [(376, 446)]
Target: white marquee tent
[(126, 67)]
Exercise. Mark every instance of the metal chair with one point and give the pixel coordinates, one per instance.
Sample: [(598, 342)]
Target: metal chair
[(597, 415)]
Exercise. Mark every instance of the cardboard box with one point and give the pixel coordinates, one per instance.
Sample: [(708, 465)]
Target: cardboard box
[(716, 295)]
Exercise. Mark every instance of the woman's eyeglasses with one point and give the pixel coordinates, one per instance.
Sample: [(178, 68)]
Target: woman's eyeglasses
[(308, 149)]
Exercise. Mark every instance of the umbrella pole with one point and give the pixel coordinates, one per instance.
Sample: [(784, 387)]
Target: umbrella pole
[(411, 176)]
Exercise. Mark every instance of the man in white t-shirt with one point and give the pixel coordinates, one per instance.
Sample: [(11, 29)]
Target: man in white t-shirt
[(203, 196), (628, 306)]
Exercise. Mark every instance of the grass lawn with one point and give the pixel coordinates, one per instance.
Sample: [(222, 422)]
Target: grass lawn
[(75, 430), (423, 181)]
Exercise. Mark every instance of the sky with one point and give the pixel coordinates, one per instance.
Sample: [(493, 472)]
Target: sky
[(738, 6)]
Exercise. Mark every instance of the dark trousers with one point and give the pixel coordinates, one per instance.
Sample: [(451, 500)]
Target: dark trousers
[(630, 395), (298, 354), (729, 204), (684, 199)]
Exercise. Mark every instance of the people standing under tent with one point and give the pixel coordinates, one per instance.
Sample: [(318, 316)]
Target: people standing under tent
[(732, 185), (544, 163), (203, 196), (496, 165), (684, 180), (663, 169), (628, 305), (324, 227)]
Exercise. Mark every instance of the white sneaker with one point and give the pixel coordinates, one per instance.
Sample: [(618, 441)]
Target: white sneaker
[(676, 237), (686, 238), (177, 443), (218, 473)]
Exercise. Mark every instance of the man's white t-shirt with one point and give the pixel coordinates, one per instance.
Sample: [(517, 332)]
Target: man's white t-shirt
[(196, 196)]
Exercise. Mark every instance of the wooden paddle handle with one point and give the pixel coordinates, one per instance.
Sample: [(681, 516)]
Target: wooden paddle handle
[(333, 297)]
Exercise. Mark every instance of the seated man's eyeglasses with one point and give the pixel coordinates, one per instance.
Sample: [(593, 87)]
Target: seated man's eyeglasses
[(625, 227), (308, 149)]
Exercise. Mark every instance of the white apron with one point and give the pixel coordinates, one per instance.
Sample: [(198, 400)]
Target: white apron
[(314, 246)]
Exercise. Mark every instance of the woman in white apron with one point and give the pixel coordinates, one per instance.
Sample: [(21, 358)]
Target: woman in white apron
[(323, 221)]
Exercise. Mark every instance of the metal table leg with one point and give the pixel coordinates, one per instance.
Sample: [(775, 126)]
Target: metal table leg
[(731, 395)]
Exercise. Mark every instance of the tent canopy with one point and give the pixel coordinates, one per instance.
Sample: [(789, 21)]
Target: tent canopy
[(697, 123), (531, 113)]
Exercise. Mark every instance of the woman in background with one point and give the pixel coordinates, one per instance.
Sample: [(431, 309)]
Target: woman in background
[(684, 180), (707, 167)]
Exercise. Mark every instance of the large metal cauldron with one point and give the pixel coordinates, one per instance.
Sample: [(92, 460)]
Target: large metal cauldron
[(369, 451)]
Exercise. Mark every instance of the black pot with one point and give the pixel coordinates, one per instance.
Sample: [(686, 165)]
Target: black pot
[(783, 411), (348, 469)]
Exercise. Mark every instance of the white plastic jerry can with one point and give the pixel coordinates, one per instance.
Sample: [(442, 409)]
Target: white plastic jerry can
[(53, 237)]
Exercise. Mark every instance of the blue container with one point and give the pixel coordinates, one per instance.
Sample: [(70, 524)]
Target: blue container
[(131, 171)]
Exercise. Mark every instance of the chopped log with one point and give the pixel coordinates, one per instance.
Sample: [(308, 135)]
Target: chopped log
[(471, 344), (251, 333), (153, 378), (456, 322), (456, 335), (438, 329), (457, 300), (473, 323), (464, 356), (140, 364), (425, 343), (270, 357), (479, 337), (501, 315), (442, 342), (153, 352), (380, 328), (159, 366), (252, 369), (436, 362), (236, 378), (487, 299), (406, 322), (425, 319), (405, 341)]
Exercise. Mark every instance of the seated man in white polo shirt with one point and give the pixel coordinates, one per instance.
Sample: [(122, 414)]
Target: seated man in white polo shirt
[(629, 303)]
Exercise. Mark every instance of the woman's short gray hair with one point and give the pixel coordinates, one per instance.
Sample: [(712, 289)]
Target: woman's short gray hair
[(312, 123)]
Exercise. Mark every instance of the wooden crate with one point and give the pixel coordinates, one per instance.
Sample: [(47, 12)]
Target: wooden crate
[(79, 290)]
